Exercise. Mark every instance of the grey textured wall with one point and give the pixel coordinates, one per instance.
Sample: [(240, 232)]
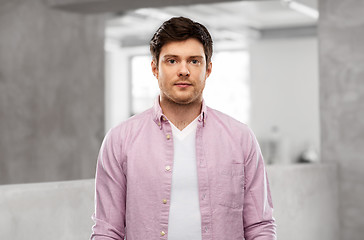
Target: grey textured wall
[(305, 201), (51, 92), (341, 43)]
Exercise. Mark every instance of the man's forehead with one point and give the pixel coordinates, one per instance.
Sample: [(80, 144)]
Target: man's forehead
[(187, 48)]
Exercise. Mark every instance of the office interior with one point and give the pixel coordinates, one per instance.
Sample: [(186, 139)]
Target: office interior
[(72, 69)]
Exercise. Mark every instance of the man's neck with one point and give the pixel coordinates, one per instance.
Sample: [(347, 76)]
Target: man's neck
[(181, 114)]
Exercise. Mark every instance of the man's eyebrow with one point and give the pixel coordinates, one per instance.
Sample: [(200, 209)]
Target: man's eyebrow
[(197, 56), (170, 55), (176, 56)]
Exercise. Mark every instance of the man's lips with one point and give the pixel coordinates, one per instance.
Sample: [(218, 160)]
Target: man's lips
[(183, 84)]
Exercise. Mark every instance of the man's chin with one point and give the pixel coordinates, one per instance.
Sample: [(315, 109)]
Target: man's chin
[(182, 99), (185, 101)]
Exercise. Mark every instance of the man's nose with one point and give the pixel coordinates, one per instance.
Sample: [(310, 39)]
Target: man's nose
[(183, 70)]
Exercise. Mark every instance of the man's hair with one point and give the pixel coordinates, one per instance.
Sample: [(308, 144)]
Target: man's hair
[(180, 29)]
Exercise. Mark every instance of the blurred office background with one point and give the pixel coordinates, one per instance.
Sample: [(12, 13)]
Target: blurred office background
[(292, 70)]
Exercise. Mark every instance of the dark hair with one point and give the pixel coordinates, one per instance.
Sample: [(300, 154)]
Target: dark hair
[(180, 29)]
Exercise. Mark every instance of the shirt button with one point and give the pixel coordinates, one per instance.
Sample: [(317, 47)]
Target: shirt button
[(168, 168), (168, 136), (159, 123), (163, 233), (163, 118), (164, 201)]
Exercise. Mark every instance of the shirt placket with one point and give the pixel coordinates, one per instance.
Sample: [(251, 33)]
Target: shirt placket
[(204, 191), (166, 130)]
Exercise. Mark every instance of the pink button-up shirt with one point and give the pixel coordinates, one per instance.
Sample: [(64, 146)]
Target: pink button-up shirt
[(134, 177)]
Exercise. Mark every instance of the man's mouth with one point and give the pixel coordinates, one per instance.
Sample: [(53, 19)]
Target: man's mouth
[(183, 84)]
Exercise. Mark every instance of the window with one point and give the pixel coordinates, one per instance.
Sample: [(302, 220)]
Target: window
[(227, 88), (144, 86)]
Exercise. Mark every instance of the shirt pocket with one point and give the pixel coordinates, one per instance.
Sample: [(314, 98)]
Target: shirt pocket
[(231, 184)]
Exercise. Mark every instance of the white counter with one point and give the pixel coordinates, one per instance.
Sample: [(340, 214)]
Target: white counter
[(304, 197)]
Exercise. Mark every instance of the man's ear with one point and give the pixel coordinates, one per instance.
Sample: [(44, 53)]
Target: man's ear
[(154, 68), (209, 69)]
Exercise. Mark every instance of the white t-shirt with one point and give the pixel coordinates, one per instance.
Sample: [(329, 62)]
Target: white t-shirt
[(184, 215)]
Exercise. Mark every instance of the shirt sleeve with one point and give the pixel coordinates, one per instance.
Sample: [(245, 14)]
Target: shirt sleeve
[(110, 191), (258, 220)]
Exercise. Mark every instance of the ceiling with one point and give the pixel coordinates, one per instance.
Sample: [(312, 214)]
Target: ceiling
[(236, 21)]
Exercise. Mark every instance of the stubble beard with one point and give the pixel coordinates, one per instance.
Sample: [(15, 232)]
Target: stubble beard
[(182, 102)]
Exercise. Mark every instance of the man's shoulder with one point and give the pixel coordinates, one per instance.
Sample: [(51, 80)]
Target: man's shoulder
[(134, 122), (230, 128), (226, 120)]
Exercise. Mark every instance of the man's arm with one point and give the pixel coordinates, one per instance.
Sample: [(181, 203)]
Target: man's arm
[(110, 191), (259, 223)]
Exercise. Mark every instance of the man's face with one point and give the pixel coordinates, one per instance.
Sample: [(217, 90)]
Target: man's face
[(182, 71)]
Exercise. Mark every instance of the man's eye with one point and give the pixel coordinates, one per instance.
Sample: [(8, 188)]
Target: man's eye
[(194, 61), (172, 61)]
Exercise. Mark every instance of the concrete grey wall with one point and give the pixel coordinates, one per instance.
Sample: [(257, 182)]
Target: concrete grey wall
[(341, 44), (51, 92), (305, 203), (305, 200)]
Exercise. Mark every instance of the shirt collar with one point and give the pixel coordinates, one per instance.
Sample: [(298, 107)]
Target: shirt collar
[(159, 117)]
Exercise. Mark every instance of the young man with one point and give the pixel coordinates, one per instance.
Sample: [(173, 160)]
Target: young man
[(182, 170)]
